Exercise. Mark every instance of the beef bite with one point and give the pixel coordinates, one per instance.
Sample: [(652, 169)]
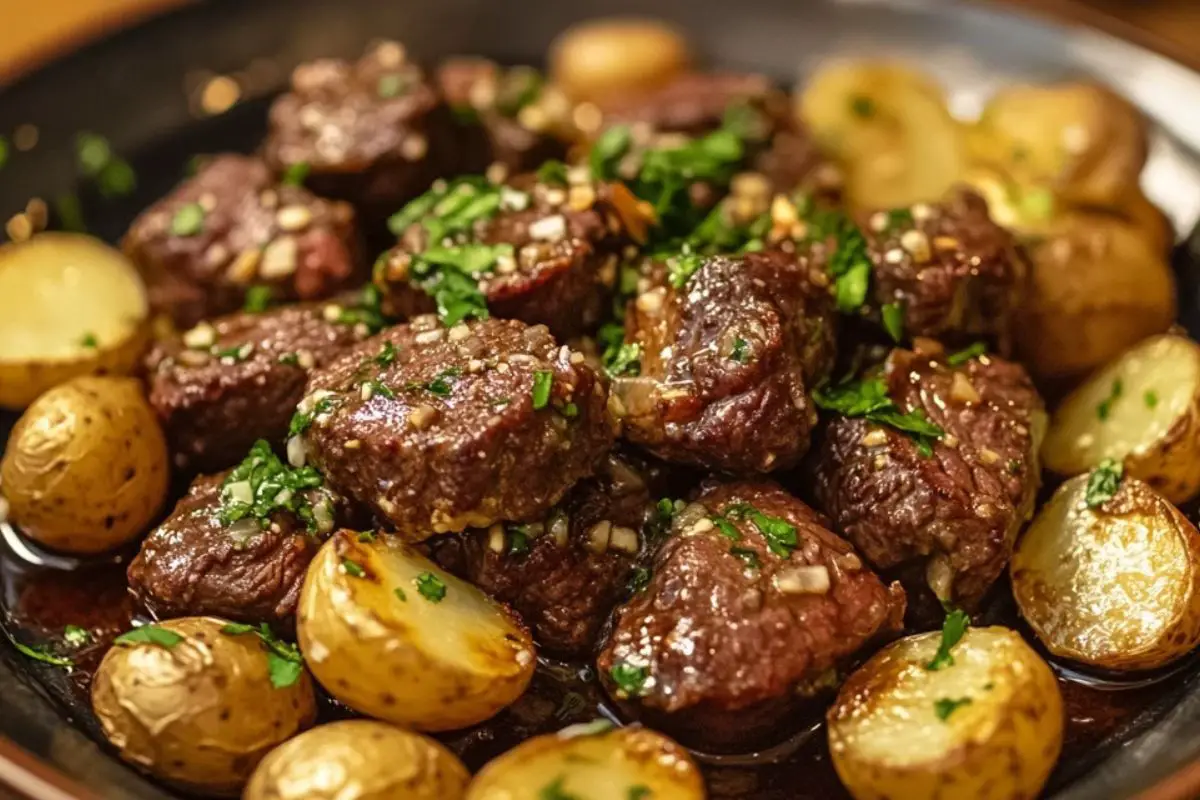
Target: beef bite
[(510, 117), (216, 555), (224, 384), (440, 429), (374, 132), (232, 227), (948, 269), (751, 609), (931, 468), (719, 357), (564, 573)]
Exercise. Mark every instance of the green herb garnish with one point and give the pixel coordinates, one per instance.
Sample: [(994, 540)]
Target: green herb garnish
[(386, 355), (747, 555), (70, 213), (630, 679), (188, 220), (862, 107), (42, 654), (431, 587), (76, 636), (258, 298), (400, 595), (726, 528), (741, 350), (638, 580), (893, 320), (543, 381), (609, 149), (682, 267), (1104, 409), (519, 87), (296, 174), (552, 173), (284, 662), (869, 399), (953, 628), (150, 634), (946, 706), (392, 85), (89, 341), (1104, 483), (555, 791), (626, 360), (262, 485), (963, 356), (353, 568), (1150, 398)]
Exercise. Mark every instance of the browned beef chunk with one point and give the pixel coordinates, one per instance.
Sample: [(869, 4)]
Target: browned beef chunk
[(440, 429), (232, 226), (722, 360), (945, 511), (751, 608), (227, 383)]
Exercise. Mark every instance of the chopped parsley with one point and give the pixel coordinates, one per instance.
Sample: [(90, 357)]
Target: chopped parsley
[(262, 485), (302, 421), (75, 636), (868, 399), (630, 679), (258, 298), (946, 706), (555, 791), (518, 540), (284, 663), (552, 173), (725, 528), (682, 267), (386, 355), (638, 580), (747, 555), (608, 150), (741, 350), (150, 634), (442, 383), (893, 320), (1104, 483), (779, 533), (296, 174), (1104, 409), (1150, 398), (353, 568), (188, 220), (953, 628), (862, 106), (367, 536), (849, 262), (898, 219), (113, 176), (625, 360), (431, 587), (569, 410), (392, 85), (963, 356), (89, 341), (378, 387), (367, 311), (543, 381), (400, 595), (42, 654), (519, 87)]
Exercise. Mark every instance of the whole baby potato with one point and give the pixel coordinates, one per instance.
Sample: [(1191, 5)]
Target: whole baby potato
[(195, 705), (86, 469), (358, 759), (610, 56)]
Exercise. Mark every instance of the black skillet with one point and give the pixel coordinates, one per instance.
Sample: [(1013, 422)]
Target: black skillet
[(139, 90)]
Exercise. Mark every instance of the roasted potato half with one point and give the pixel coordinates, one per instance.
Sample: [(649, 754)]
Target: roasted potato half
[(987, 724), (1097, 287), (889, 127), (601, 58), (358, 759), (1112, 584), (195, 706), (85, 469), (1142, 409), (1080, 140), (390, 634), (69, 305), (594, 761)]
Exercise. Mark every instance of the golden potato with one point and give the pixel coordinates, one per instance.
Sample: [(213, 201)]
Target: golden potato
[(889, 128), (1112, 584), (85, 469), (1097, 287), (69, 305), (1143, 408), (390, 634), (195, 706), (1148, 219), (605, 57), (358, 759), (1080, 140), (987, 724), (593, 761)]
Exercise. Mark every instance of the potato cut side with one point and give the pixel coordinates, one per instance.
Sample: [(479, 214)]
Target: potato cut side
[(69, 305), (989, 724), (889, 127), (1143, 409), (591, 761), (392, 635), (1115, 586)]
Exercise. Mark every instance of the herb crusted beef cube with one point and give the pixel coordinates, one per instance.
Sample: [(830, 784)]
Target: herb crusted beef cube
[(224, 384), (231, 227), (374, 132), (546, 254), (751, 609), (719, 359), (930, 468), (440, 429), (214, 555)]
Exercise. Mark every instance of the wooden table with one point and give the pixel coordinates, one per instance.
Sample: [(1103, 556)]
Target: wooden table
[(36, 30)]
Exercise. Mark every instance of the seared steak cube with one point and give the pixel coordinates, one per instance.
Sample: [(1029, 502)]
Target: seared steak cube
[(224, 384), (943, 505), (440, 429), (751, 609), (231, 227), (719, 357)]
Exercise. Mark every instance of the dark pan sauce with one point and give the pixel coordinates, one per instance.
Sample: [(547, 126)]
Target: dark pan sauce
[(39, 600)]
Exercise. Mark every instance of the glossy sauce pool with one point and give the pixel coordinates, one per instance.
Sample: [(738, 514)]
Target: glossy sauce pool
[(38, 601)]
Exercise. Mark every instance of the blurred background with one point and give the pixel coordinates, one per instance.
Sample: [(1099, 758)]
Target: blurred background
[(35, 31)]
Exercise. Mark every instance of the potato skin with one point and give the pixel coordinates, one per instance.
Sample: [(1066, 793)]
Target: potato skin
[(1097, 287), (199, 714), (1002, 745), (607, 764), (377, 644), (358, 759), (607, 57), (1115, 587), (86, 468)]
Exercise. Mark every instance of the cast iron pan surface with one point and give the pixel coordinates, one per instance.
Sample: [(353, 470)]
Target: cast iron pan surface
[(137, 89)]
